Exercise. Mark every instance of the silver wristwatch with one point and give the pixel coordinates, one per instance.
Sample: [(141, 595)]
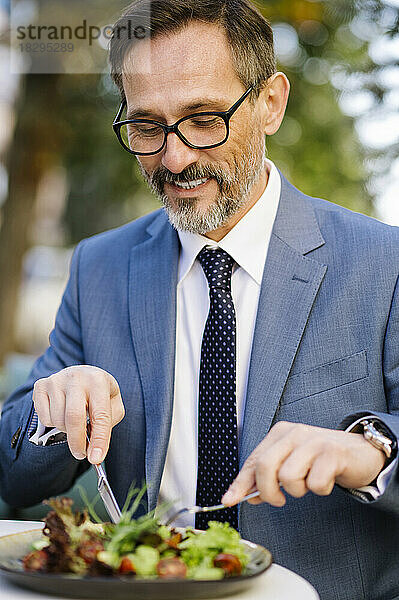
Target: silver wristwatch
[(376, 438), (371, 429)]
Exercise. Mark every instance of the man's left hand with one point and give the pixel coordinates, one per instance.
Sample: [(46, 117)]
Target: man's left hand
[(301, 459)]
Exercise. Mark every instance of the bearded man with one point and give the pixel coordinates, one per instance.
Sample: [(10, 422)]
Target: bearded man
[(242, 337)]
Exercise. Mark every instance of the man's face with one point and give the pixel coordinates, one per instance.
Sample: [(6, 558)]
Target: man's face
[(171, 77)]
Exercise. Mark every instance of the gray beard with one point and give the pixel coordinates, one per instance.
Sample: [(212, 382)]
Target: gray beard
[(234, 190)]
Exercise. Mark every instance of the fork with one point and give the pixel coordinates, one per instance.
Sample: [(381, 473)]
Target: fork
[(199, 509)]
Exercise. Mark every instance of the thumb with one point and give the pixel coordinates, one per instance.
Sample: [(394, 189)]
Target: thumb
[(242, 485)]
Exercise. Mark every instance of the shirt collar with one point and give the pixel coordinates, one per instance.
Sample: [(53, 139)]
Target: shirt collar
[(248, 241)]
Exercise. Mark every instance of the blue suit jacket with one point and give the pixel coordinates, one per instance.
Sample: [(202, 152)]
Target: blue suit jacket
[(326, 345)]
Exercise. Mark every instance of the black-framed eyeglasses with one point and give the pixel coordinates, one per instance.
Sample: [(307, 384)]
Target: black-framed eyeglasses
[(201, 131)]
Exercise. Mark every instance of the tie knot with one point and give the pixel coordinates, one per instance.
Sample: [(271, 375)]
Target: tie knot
[(217, 266)]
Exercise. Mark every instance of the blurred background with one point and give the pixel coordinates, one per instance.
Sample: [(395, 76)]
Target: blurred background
[(63, 175)]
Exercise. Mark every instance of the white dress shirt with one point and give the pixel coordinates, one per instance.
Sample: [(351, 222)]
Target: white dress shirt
[(247, 243)]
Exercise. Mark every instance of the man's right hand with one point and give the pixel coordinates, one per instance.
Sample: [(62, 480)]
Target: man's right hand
[(64, 400)]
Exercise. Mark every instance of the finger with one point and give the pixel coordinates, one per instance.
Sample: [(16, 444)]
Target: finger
[(75, 421), (295, 469), (321, 477), (277, 467), (100, 413), (117, 406), (255, 500), (41, 402), (244, 482), (57, 407), (267, 470), (246, 479)]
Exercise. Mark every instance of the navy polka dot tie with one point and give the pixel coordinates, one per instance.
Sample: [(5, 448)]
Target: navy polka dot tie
[(217, 418)]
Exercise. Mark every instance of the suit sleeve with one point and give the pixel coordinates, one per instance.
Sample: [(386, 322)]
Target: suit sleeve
[(389, 499), (29, 473)]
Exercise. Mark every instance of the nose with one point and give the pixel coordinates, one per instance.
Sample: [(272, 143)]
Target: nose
[(177, 155)]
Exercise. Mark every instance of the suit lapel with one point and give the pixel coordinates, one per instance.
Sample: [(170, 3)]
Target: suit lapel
[(152, 301), (289, 287)]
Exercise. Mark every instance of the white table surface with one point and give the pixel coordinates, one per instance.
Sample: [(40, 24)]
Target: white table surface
[(277, 583)]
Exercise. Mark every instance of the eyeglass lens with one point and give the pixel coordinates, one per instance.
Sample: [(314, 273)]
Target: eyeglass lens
[(199, 131)]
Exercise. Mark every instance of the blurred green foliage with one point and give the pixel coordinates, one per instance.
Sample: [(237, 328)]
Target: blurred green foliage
[(316, 146)]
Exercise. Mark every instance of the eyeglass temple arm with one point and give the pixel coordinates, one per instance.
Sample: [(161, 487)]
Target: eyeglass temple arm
[(120, 111), (233, 109)]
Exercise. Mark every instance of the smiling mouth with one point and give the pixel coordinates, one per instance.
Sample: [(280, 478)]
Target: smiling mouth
[(190, 185)]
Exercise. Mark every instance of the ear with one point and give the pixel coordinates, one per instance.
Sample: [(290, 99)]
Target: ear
[(274, 100)]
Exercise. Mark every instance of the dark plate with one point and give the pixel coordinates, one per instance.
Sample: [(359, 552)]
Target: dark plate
[(14, 547)]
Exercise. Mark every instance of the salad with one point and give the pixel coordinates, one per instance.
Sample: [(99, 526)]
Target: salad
[(143, 548)]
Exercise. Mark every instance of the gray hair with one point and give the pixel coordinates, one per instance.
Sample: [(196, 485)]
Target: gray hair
[(249, 34)]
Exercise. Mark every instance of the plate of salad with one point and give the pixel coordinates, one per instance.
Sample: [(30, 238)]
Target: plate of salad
[(75, 556)]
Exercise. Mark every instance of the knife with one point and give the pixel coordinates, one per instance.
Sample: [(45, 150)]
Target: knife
[(107, 496), (104, 489)]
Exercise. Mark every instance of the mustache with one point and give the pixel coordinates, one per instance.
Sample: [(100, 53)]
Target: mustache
[(162, 175)]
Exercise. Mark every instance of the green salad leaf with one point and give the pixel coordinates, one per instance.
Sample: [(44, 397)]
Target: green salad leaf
[(145, 561), (198, 551)]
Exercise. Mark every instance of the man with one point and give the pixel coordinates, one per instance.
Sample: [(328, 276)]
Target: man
[(299, 342)]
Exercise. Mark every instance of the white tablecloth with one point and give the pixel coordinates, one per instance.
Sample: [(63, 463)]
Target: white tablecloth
[(277, 583)]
